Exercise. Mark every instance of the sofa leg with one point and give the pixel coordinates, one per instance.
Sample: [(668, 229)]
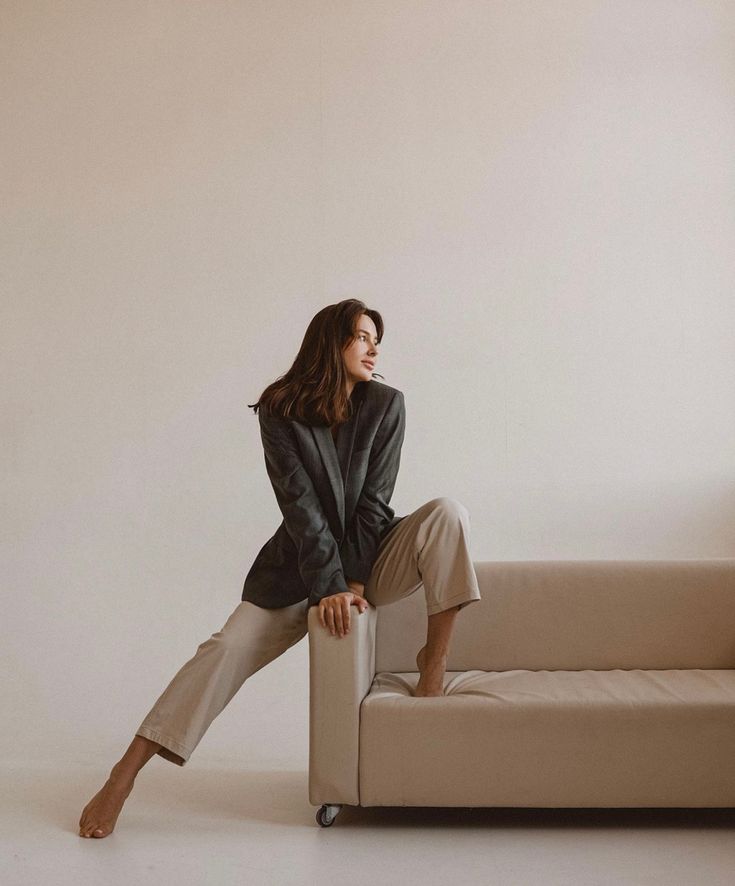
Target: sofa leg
[(326, 814)]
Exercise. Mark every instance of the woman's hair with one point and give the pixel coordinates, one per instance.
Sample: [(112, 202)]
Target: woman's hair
[(313, 389)]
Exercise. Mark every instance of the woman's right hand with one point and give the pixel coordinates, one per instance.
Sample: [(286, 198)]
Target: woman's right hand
[(334, 611)]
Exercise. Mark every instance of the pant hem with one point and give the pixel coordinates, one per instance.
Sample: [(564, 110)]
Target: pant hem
[(462, 599), (170, 749)]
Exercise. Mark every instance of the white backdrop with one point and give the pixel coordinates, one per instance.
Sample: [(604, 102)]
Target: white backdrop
[(536, 195)]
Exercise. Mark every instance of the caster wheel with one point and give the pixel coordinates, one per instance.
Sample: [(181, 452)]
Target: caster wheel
[(326, 814)]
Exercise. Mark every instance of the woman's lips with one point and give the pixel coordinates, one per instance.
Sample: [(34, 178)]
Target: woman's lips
[(369, 365)]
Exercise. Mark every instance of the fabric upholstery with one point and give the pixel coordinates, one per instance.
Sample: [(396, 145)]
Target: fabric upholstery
[(551, 738), (570, 683)]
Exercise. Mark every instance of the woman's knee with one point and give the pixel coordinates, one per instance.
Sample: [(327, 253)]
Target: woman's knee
[(251, 627), (238, 631), (219, 643), (449, 506)]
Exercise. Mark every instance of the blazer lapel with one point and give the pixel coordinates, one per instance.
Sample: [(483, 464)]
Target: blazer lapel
[(346, 441), (336, 458)]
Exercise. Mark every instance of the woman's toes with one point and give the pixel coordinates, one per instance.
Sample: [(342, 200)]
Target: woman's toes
[(100, 814), (92, 830)]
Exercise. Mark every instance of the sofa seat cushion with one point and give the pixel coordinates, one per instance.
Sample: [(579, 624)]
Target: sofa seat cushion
[(551, 738)]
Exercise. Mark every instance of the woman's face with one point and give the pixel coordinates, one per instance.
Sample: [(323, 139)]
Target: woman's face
[(362, 352)]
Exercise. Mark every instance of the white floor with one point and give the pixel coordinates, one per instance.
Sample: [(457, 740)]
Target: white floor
[(213, 825)]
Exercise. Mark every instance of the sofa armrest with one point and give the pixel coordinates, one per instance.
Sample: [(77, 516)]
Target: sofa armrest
[(341, 671)]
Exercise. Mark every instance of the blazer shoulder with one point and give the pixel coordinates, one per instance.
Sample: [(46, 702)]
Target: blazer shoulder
[(380, 393)]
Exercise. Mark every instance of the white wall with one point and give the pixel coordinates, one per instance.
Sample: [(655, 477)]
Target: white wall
[(536, 195)]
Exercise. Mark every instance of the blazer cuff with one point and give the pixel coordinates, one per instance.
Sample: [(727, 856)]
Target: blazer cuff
[(358, 574), (337, 586)]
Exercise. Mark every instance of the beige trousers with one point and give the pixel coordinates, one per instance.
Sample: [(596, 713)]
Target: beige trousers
[(429, 548)]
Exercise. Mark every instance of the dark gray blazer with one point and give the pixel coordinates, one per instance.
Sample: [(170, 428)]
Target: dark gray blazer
[(334, 498)]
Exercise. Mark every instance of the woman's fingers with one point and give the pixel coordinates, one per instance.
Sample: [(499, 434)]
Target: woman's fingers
[(341, 609), (334, 612), (325, 615), (346, 614), (337, 609)]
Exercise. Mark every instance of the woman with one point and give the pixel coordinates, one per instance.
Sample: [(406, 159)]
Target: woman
[(332, 440)]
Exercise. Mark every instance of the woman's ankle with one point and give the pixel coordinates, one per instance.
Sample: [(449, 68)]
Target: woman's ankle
[(122, 776)]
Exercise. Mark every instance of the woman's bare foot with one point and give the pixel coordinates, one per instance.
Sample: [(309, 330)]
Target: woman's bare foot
[(431, 674), (100, 814)]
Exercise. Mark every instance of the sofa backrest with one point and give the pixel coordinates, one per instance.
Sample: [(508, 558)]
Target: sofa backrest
[(578, 614)]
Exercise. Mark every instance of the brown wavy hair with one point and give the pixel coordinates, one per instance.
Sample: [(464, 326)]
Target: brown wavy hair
[(313, 389)]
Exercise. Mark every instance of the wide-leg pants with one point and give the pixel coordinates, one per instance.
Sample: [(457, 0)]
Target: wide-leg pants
[(429, 548)]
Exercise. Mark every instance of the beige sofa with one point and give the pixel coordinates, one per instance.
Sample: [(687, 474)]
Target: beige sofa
[(604, 683)]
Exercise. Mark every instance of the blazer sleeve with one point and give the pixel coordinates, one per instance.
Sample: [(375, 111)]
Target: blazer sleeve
[(319, 562), (373, 512)]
